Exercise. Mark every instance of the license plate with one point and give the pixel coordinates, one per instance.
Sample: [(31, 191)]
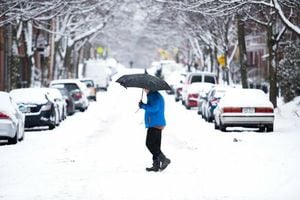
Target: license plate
[(248, 110)]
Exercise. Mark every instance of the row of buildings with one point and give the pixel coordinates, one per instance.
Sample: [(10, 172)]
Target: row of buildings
[(15, 65)]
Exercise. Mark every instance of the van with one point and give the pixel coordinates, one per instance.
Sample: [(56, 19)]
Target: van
[(192, 82)]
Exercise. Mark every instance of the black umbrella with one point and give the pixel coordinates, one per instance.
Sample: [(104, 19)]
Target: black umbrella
[(145, 80)]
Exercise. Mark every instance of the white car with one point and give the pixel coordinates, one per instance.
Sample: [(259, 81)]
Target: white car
[(12, 120), (249, 108), (189, 88), (57, 97), (78, 90), (191, 97)]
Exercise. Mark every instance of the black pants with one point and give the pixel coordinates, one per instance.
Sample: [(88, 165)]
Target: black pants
[(153, 142)]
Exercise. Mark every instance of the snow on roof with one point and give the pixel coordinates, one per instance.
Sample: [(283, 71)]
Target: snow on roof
[(245, 97), (29, 95), (5, 105)]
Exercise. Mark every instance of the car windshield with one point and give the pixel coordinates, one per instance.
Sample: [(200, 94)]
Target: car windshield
[(89, 83), (69, 86), (196, 79), (209, 79)]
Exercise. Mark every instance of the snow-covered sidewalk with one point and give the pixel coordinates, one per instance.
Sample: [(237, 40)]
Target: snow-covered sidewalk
[(100, 155)]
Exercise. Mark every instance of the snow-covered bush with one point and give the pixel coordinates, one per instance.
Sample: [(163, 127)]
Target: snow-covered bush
[(289, 72)]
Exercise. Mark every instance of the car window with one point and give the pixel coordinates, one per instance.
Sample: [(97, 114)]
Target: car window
[(209, 79), (196, 79), (88, 83), (69, 86)]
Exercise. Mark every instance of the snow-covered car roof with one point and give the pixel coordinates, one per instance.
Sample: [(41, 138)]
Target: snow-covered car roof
[(5, 105), (81, 85), (65, 81), (29, 95), (239, 97)]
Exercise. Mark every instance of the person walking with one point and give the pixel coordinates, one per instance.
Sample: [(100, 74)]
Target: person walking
[(154, 120)]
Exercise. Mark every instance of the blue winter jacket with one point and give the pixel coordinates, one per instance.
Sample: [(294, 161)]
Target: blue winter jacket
[(154, 110)]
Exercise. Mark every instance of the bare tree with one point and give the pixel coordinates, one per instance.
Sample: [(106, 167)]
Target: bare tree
[(70, 23)]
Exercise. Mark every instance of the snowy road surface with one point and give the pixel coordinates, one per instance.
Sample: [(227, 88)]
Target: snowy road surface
[(100, 155)]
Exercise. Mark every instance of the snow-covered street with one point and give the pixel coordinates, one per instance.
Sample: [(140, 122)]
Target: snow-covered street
[(100, 155)]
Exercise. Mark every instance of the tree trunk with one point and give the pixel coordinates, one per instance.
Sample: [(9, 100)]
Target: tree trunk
[(67, 62), (272, 70), (242, 48), (27, 62), (217, 66), (211, 54)]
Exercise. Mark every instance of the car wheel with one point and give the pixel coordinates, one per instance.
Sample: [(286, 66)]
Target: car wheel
[(23, 136), (187, 107), (222, 127), (216, 125), (53, 122), (51, 126), (270, 128), (261, 129), (13, 140)]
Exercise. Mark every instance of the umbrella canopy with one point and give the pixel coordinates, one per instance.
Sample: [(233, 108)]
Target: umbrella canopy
[(146, 81)]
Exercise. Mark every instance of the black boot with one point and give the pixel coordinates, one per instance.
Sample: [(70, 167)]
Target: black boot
[(164, 161), (155, 166)]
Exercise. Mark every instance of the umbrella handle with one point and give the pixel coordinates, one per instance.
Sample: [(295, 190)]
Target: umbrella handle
[(140, 100), (142, 94)]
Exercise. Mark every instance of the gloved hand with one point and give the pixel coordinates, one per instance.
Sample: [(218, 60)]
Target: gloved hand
[(140, 104)]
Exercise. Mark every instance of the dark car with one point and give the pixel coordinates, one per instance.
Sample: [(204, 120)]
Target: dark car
[(213, 98), (78, 90), (40, 110), (68, 96)]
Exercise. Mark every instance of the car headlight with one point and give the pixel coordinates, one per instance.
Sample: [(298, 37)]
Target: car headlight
[(46, 107)]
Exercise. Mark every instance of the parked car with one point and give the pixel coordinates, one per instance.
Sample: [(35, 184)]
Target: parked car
[(177, 87), (189, 90), (77, 88), (202, 97), (91, 88), (70, 105), (41, 110), (57, 97), (173, 78), (213, 98), (12, 120), (244, 108)]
